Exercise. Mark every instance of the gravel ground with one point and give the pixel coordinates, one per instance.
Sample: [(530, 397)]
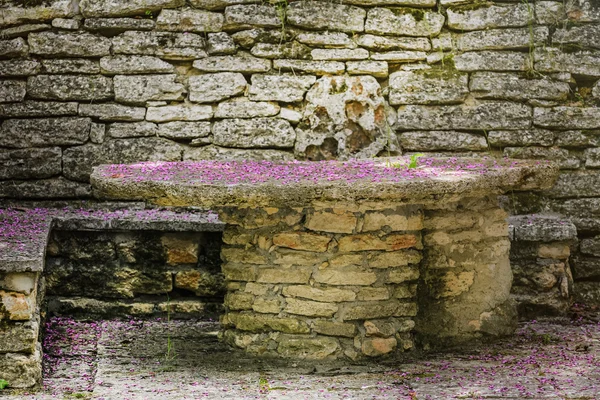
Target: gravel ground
[(133, 359)]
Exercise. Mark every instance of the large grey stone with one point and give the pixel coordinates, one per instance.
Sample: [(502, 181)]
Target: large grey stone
[(138, 89), (243, 63), (378, 69), (112, 112), (78, 161), (222, 153), (596, 91), (309, 67), (70, 87), (56, 188), (497, 85), (490, 15), (244, 16), (30, 163), (557, 155), (592, 158), (327, 16), (404, 22), (344, 117), (582, 11), (126, 65), (31, 108), (133, 129), (578, 138), (21, 370), (70, 66), (114, 26), (217, 4), (13, 48), (12, 68), (327, 40), (441, 140), (576, 184), (502, 39), (567, 117), (123, 8), (387, 43), (220, 43), (550, 12), (400, 56), (482, 115), (253, 133), (184, 130), (43, 11), (542, 228), (586, 63), (529, 137), (22, 30), (210, 88), (339, 54), (181, 112), (167, 45), (586, 36), (68, 44), (284, 50), (492, 61), (12, 91), (20, 337), (246, 109), (189, 20), (284, 88), (430, 86), (23, 133)]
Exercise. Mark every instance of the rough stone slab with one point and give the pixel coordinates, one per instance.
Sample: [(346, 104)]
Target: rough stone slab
[(339, 54), (400, 56), (583, 11), (123, 8), (167, 45), (30, 163), (484, 115), (138, 89), (12, 91), (22, 30), (550, 12), (112, 112), (13, 48), (490, 15), (58, 188), (441, 140), (211, 88), (415, 3), (189, 20), (567, 117), (327, 40), (576, 184), (21, 370), (378, 69), (70, 66), (13, 68), (70, 87), (314, 15), (494, 85), (240, 63), (68, 44), (529, 137), (247, 16), (309, 67), (596, 91), (491, 61), (23, 133), (37, 109), (246, 109), (281, 50), (226, 154), (557, 155), (586, 63), (542, 228), (13, 15), (114, 26), (217, 4), (586, 36), (184, 130), (131, 65), (253, 133), (179, 113), (592, 158), (78, 161), (20, 337), (428, 87), (502, 39), (387, 43), (404, 22), (284, 88), (577, 138), (66, 23), (133, 129)]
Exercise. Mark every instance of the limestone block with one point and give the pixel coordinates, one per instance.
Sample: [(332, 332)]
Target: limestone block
[(342, 260), (442, 140), (239, 301), (19, 337), (65, 23), (239, 272), (242, 256), (70, 87), (180, 112), (210, 88), (492, 61), (373, 294), (497, 85), (403, 22), (70, 66), (13, 15), (97, 133), (57, 188), (120, 8), (449, 283), (222, 153), (220, 43), (12, 91), (281, 50), (401, 275), (307, 348), (115, 26), (17, 306), (378, 69), (529, 137), (266, 306), (184, 130), (112, 112), (23, 133), (490, 16), (336, 221), (256, 133), (375, 347), (21, 370), (202, 282), (281, 274), (284, 88), (139, 89), (246, 109), (345, 276), (405, 291), (370, 310), (37, 109), (217, 4), (135, 129), (22, 30), (78, 161), (290, 114), (483, 115), (243, 63), (13, 68), (586, 63), (428, 87), (550, 12), (592, 158), (392, 242), (329, 328), (263, 322), (20, 282), (180, 249), (393, 220), (68, 44), (13, 48), (325, 294), (596, 91), (189, 20), (393, 258), (400, 56), (583, 11), (310, 308), (564, 117), (166, 45), (30, 163), (292, 257), (502, 39), (315, 15), (327, 40), (560, 156), (388, 43), (339, 54), (302, 241), (130, 65), (416, 3), (245, 16)]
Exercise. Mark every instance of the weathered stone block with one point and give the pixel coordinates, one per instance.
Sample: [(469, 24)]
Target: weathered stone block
[(373, 294), (130, 65), (428, 87), (502, 39), (364, 242), (307, 348), (139, 89), (284, 88), (336, 221), (30, 163), (441, 140), (393, 258), (282, 50), (401, 275), (120, 8), (325, 294), (560, 156), (223, 153), (65, 23), (327, 16), (13, 68), (567, 117), (12, 91), (246, 109), (57, 188), (112, 112), (180, 249), (189, 20), (170, 46), (220, 43), (21, 370), (542, 228), (13, 48), (20, 282), (403, 22), (492, 61), (22, 30), (242, 62), (302, 241), (19, 337), (242, 256), (529, 137), (328, 40), (246, 16), (239, 301), (370, 310), (310, 308), (115, 26), (257, 132), (400, 56), (329, 328), (181, 112), (449, 283), (292, 257), (375, 347), (496, 85), (13, 15), (71, 66), (211, 88), (378, 69), (15, 306), (281, 274), (70, 87), (264, 322), (550, 12), (24, 133), (586, 63), (339, 54), (68, 44), (184, 130), (387, 43), (345, 276), (239, 272), (490, 16), (393, 220)]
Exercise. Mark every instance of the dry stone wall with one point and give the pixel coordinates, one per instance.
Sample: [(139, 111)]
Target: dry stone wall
[(84, 82)]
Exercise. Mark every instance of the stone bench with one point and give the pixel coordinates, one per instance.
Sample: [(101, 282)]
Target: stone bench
[(24, 234), (345, 260)]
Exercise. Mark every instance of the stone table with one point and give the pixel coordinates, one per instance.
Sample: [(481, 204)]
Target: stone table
[(350, 259)]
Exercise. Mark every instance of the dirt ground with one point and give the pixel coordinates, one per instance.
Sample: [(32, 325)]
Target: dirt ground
[(158, 359)]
